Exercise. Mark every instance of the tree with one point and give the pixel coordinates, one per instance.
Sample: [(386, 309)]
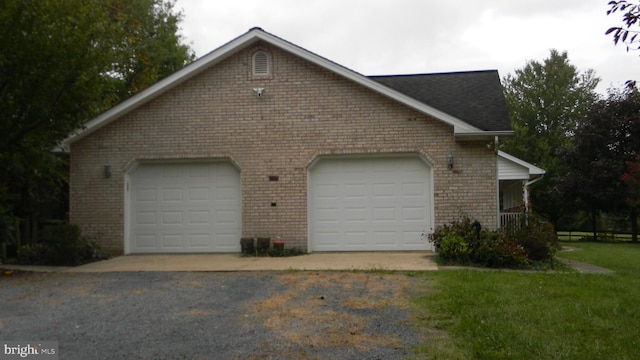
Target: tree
[(602, 164), (630, 18), (546, 102), (62, 63), (148, 46), (631, 178)]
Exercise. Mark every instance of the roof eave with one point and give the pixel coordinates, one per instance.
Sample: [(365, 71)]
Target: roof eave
[(482, 135), (461, 128), (534, 171), (159, 88), (358, 78)]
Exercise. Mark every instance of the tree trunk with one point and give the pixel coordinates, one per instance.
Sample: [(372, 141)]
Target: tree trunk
[(634, 225)]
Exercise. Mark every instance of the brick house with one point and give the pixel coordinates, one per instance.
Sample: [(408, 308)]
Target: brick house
[(262, 138)]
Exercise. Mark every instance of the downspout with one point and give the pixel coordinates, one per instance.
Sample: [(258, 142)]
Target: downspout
[(526, 191), (496, 144)]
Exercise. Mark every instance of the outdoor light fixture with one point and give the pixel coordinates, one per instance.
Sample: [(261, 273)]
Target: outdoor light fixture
[(107, 170), (450, 161), (259, 91)]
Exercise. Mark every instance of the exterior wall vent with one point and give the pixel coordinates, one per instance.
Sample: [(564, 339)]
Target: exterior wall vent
[(260, 63)]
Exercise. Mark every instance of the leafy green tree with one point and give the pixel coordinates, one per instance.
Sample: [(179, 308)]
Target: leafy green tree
[(148, 46), (602, 164), (62, 63), (546, 102), (625, 34)]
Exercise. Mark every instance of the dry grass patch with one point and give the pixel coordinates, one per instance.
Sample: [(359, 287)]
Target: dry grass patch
[(320, 310)]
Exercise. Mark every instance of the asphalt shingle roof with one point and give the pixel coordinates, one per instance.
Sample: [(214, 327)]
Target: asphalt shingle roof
[(474, 97)]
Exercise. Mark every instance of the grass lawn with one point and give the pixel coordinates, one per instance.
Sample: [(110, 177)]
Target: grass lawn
[(469, 314)]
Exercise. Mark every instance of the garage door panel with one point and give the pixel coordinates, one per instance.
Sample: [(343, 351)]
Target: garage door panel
[(200, 172), (172, 218), (199, 194), (365, 204), (223, 217), (327, 240), (185, 207), (227, 242), (355, 240), (199, 241), (384, 190), (355, 215), (225, 193), (413, 238), (355, 191), (145, 241), (385, 238), (145, 218), (171, 174), (413, 190), (145, 195), (199, 217), (327, 215), (384, 214), (175, 241), (172, 194), (324, 191), (413, 214)]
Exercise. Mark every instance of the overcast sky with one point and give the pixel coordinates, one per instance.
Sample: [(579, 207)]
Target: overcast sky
[(376, 37)]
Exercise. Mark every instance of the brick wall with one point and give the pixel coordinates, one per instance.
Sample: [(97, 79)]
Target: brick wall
[(305, 112)]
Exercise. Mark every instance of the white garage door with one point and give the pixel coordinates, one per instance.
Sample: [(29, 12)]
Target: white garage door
[(370, 204), (184, 207)]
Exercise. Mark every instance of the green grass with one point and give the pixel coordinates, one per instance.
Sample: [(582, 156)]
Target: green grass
[(471, 314)]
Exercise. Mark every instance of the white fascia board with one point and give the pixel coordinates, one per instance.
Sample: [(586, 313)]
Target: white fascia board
[(482, 135), (158, 88), (533, 170), (254, 35)]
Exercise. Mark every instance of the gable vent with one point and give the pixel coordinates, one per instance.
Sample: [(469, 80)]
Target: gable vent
[(260, 63)]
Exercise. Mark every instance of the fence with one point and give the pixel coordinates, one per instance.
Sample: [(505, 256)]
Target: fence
[(511, 221)]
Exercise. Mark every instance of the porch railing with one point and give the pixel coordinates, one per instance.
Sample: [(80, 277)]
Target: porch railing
[(511, 221)]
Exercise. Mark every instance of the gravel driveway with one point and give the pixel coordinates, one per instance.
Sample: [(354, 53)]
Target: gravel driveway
[(212, 315)]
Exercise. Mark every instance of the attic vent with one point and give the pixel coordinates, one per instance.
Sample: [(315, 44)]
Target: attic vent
[(261, 63)]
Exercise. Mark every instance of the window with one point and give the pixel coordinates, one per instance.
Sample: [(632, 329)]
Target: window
[(260, 63)]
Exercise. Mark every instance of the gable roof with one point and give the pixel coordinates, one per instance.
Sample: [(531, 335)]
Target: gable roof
[(254, 35), (513, 168), (474, 97)]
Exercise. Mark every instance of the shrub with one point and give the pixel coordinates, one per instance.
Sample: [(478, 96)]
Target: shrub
[(64, 240), (464, 241), (33, 254), (538, 238), (500, 252), (454, 247), (463, 227), (62, 245)]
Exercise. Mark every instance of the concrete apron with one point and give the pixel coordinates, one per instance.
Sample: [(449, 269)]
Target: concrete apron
[(393, 261)]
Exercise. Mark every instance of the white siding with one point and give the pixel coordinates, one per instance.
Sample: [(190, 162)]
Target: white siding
[(508, 170)]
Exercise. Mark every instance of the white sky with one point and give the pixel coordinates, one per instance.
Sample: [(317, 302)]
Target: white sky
[(387, 37)]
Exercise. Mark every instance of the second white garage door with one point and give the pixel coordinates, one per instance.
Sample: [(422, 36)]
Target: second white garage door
[(184, 208), (370, 204)]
